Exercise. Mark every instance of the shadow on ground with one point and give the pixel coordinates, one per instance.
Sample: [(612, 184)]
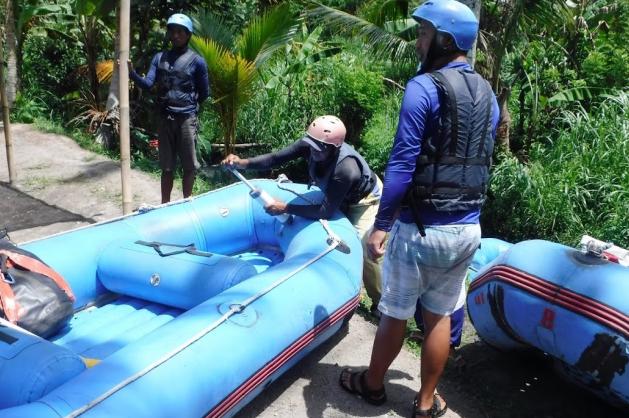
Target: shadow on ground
[(486, 384), (21, 211), (500, 384)]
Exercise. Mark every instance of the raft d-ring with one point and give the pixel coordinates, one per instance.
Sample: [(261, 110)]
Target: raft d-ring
[(155, 279), (237, 308), (8, 278), (224, 212)]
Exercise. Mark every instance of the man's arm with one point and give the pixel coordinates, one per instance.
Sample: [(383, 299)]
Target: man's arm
[(406, 148), (345, 176), (148, 81), (201, 80), (292, 152)]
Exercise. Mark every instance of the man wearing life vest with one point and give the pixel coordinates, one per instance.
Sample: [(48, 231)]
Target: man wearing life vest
[(436, 179), (340, 172), (182, 85)]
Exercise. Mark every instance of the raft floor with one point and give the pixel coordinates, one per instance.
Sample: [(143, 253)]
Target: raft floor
[(100, 330)]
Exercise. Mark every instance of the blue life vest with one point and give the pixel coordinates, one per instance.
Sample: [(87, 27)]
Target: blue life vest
[(452, 170), (356, 193), (176, 88)]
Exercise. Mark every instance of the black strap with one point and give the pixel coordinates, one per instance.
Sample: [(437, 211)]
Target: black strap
[(454, 113), (481, 145), (452, 160), (412, 203), (190, 248), (463, 191), (6, 338)]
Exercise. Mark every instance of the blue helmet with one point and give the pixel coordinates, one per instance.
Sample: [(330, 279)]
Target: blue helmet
[(181, 20), (451, 17)]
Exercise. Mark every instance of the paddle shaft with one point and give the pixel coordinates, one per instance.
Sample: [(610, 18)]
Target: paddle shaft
[(260, 195)]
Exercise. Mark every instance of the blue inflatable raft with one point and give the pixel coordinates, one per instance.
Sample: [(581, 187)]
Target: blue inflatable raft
[(186, 310), (563, 302)]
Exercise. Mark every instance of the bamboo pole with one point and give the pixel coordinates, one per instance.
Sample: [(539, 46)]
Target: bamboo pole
[(6, 121), (125, 142)]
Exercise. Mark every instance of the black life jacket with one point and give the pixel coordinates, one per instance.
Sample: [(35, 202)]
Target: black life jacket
[(452, 170), (176, 91), (356, 193)]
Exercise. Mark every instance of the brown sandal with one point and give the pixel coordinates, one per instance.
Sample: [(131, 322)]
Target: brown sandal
[(357, 385)]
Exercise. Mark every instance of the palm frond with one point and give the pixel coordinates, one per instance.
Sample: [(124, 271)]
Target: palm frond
[(378, 41), (577, 94), (267, 33), (230, 75), (544, 14), (378, 12), (208, 25)]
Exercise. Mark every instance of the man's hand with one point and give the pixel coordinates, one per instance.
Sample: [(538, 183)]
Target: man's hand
[(376, 244), (276, 208), (129, 65), (233, 160)]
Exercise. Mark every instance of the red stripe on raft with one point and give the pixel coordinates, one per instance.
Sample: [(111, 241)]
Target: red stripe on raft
[(271, 367), (575, 302), (568, 299)]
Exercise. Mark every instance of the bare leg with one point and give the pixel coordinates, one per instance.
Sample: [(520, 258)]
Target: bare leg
[(435, 349), (167, 185), (386, 347), (188, 182)]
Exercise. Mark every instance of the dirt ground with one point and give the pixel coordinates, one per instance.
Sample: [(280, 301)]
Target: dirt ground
[(61, 186)]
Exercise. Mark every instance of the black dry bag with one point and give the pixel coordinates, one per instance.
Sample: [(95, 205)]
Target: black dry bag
[(32, 295)]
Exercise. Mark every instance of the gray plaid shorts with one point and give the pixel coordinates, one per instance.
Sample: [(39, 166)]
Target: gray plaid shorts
[(432, 268)]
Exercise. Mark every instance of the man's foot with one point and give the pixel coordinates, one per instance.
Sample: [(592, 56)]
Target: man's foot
[(375, 312), (416, 335), (438, 408), (356, 384), (458, 359)]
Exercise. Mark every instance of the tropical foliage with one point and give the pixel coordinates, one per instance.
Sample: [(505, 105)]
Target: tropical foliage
[(234, 62), (575, 183), (559, 67)]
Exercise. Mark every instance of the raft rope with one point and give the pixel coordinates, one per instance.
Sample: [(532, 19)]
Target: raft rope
[(333, 240)]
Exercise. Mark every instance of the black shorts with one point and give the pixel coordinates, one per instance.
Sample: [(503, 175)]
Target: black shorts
[(178, 138)]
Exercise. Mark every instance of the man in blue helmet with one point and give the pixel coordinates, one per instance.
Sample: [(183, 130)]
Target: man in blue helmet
[(182, 85), (436, 180)]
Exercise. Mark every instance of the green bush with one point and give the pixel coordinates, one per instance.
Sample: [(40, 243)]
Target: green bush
[(27, 108), (47, 68), (276, 117), (333, 86), (378, 135), (359, 93), (577, 183)]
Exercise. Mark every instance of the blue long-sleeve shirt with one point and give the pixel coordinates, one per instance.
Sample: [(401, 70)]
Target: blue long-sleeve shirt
[(199, 74), (419, 117)]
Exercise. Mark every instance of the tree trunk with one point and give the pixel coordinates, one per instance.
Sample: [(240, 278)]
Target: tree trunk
[(90, 38), (13, 79), (474, 5), (504, 124), (108, 131), (5, 119), (125, 143), (114, 86), (505, 42)]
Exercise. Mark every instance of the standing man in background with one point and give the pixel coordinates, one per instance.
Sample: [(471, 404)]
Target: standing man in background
[(436, 178), (182, 82)]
